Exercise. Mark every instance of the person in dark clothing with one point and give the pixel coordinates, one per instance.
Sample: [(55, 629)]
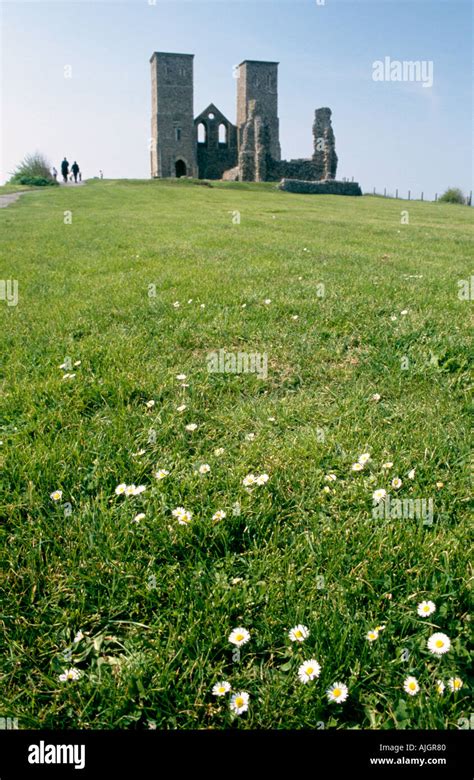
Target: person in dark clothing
[(75, 170), (65, 169)]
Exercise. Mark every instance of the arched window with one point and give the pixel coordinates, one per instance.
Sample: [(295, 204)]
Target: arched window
[(202, 133), (222, 134)]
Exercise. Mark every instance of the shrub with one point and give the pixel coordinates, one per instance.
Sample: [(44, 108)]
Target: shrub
[(34, 169), (34, 181), (453, 195)]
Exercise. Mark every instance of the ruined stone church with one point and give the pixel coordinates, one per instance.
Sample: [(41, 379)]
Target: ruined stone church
[(209, 146)]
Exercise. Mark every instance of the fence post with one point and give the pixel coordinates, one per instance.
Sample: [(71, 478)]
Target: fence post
[(421, 196), (409, 192), (396, 193), (436, 197), (470, 199), (385, 192), (374, 190)]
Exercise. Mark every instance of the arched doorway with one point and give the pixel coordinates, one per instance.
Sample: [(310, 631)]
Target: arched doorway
[(180, 168)]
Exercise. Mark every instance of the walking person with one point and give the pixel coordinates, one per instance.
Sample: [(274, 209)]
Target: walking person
[(75, 170), (65, 169), (54, 173)]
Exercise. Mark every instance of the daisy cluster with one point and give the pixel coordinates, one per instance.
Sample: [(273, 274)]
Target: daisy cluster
[(438, 644), (307, 672)]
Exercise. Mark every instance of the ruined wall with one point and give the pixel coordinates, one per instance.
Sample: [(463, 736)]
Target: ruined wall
[(215, 156), (329, 187), (324, 142)]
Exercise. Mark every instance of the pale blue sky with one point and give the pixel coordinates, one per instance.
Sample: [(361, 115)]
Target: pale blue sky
[(388, 134)]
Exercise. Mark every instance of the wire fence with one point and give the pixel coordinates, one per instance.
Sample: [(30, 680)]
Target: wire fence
[(412, 196)]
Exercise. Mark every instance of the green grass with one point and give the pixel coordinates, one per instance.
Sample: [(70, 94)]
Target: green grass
[(156, 600)]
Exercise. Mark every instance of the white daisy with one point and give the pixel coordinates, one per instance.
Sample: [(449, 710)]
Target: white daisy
[(410, 685), (202, 306), (138, 517), (364, 458), (396, 483), (239, 636), (161, 473), (182, 515), (239, 702), (78, 637), (426, 608), (330, 477), (294, 316), (267, 301), (219, 451), (455, 684), (372, 635), (176, 304), (250, 479), (439, 643), (138, 489), (326, 489), (376, 397), (204, 468), (309, 670), (440, 687), (138, 454), (56, 495), (262, 479), (70, 674), (411, 474), (77, 363), (150, 404), (120, 489), (191, 427), (181, 408), (388, 465), (299, 633), (181, 377), (250, 436), (357, 466), (379, 495), (219, 515), (405, 311), (221, 688), (130, 490), (337, 693)]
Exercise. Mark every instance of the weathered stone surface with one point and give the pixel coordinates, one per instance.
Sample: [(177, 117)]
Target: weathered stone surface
[(173, 141), (324, 156), (218, 151), (328, 187)]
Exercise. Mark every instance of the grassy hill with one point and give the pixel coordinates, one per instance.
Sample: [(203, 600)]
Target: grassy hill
[(359, 304)]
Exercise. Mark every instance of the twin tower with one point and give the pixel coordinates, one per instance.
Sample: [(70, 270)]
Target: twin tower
[(209, 145)]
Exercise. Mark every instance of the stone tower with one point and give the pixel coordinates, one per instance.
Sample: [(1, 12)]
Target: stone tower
[(173, 144), (258, 81)]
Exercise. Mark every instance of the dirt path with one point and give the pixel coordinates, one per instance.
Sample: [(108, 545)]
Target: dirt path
[(5, 200)]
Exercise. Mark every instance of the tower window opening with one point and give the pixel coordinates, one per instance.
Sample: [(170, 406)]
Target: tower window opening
[(178, 133)]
